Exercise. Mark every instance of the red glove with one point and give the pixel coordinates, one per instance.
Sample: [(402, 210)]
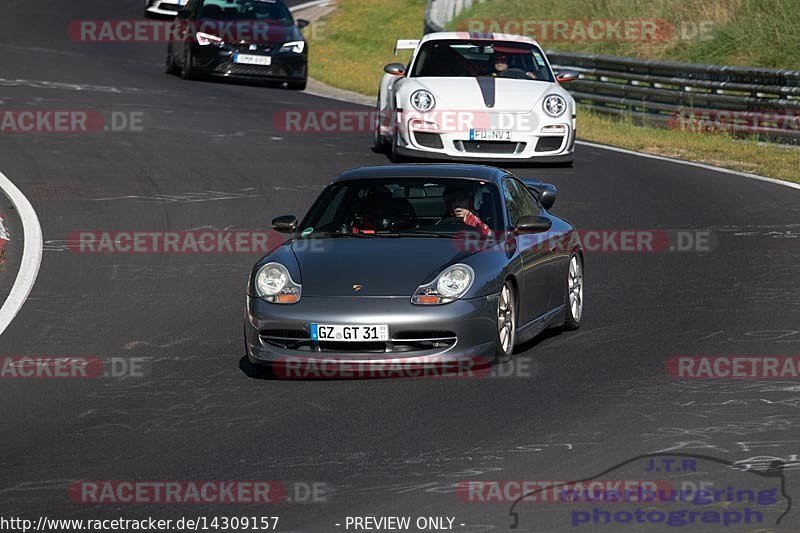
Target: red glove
[(472, 220)]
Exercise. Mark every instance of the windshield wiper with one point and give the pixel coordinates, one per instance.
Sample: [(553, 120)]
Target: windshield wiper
[(336, 234), (432, 234)]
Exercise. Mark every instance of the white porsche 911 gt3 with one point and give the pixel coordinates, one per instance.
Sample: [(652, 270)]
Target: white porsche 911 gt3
[(475, 97)]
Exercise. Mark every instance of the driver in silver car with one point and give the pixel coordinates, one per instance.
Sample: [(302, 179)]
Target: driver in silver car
[(460, 204)]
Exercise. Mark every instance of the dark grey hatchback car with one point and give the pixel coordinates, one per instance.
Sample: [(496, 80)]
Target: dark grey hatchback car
[(419, 263), (239, 39)]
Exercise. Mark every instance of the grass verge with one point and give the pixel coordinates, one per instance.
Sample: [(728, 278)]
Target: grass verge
[(350, 47), (726, 32), (718, 149), (353, 44)]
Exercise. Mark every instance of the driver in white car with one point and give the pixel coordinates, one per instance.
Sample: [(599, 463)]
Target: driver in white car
[(501, 65)]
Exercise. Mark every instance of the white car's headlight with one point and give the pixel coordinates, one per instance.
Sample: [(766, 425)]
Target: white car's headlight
[(423, 100), (274, 284), (452, 284), (295, 46), (554, 105), (205, 39)]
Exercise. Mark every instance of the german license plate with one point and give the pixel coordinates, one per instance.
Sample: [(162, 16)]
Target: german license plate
[(484, 134), (250, 59), (339, 333)]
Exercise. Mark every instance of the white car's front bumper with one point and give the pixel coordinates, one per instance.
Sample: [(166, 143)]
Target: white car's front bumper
[(550, 142), (164, 8)]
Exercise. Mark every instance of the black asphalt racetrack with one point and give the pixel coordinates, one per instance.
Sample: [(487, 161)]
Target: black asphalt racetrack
[(210, 156)]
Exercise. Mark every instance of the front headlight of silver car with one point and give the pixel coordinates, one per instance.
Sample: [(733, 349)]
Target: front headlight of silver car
[(450, 285), (274, 284), (423, 100), (554, 105)]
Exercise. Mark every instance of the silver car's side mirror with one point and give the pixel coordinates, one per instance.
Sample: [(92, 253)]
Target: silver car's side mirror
[(533, 225), (285, 224)]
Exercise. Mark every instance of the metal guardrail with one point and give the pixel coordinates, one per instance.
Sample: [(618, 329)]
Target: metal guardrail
[(738, 100), (440, 12)]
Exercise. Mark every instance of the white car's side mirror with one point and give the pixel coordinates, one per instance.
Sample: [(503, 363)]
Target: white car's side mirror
[(395, 69)]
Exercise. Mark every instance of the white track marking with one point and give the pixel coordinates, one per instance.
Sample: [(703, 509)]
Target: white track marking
[(307, 5), (31, 254), (692, 164), (41, 84)]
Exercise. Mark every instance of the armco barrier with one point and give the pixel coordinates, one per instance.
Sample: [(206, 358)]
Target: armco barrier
[(440, 12), (739, 100)]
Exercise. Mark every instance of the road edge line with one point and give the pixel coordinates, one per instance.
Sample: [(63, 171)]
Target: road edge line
[(32, 250), (704, 166)]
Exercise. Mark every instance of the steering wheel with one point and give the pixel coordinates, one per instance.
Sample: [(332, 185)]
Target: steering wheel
[(450, 220), (516, 73), (403, 221)]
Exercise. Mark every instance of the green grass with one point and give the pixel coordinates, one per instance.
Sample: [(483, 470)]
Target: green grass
[(775, 161), (350, 47), (739, 32)]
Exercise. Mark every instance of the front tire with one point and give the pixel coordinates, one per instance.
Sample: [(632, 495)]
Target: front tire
[(574, 296), (379, 144), (170, 65), (506, 323), (297, 85), (394, 152), (187, 71)]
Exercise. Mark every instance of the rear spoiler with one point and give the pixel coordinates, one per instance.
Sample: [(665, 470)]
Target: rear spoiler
[(406, 44)]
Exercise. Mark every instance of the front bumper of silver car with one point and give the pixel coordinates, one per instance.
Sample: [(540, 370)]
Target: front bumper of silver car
[(461, 331)]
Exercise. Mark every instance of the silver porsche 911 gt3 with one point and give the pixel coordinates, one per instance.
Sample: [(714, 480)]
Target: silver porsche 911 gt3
[(417, 263)]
